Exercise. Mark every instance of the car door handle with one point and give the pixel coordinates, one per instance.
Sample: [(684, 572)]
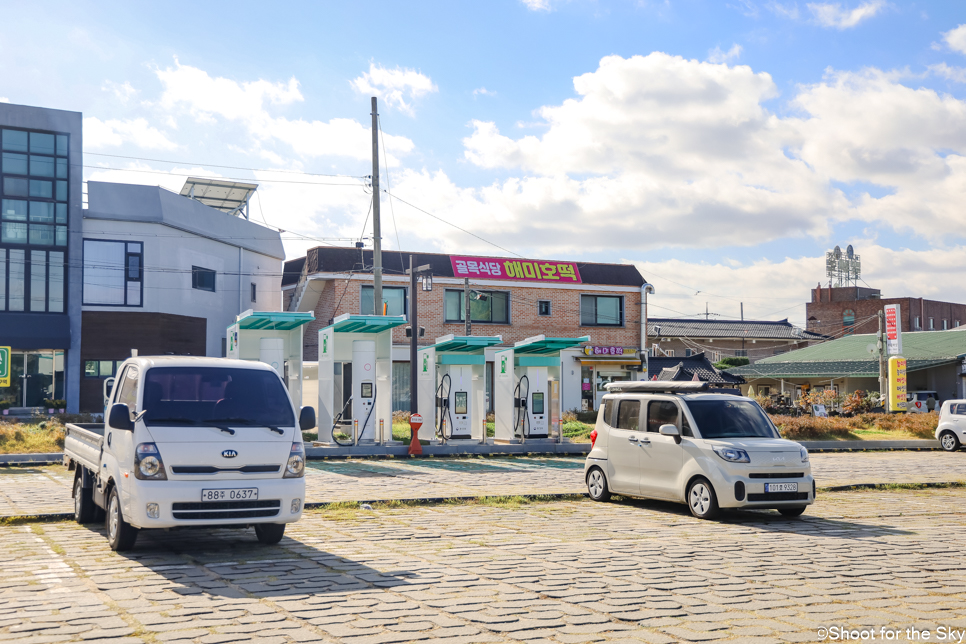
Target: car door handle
[(632, 439), (644, 442)]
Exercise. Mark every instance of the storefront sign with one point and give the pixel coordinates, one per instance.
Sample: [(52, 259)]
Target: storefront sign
[(897, 384), (604, 351), (893, 330), (4, 366), (527, 270)]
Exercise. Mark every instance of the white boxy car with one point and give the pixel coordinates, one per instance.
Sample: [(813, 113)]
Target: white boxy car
[(191, 442), (670, 441), (951, 431)]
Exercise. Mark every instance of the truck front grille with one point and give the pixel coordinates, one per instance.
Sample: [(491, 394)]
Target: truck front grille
[(209, 469), (226, 510), (779, 496)]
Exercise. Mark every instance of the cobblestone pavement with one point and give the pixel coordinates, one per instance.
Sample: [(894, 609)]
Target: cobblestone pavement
[(565, 572), (34, 490)]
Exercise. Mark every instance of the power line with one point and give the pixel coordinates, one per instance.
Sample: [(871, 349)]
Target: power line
[(385, 162), (229, 167), (240, 179)]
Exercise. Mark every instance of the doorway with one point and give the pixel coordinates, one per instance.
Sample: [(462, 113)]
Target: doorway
[(34, 377)]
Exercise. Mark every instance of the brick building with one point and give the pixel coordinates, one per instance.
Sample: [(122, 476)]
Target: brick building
[(838, 311), (752, 339), (513, 298)]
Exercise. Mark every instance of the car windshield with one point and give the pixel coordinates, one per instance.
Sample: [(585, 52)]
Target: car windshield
[(215, 396), (731, 419)]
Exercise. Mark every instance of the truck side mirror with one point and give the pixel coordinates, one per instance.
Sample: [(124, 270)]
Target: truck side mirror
[(307, 418), (120, 417), (670, 430)]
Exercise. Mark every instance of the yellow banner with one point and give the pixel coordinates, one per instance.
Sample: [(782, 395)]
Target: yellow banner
[(897, 384), (4, 366)]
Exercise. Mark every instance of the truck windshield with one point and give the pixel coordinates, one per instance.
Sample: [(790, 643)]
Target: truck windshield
[(731, 419), (215, 396)]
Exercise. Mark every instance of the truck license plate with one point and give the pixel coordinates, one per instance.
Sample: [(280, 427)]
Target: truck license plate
[(781, 487), (231, 494)]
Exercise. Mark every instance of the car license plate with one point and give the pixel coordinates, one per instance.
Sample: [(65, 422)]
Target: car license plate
[(231, 494), (781, 487)]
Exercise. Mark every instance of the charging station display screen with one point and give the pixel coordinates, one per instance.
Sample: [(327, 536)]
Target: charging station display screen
[(460, 406), (537, 403), (366, 390)]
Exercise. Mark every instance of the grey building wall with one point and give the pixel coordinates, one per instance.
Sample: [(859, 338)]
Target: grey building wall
[(38, 118)]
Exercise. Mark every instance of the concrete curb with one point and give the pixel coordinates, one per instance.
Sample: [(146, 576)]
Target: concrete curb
[(31, 459), (867, 446), (432, 500), (885, 486)]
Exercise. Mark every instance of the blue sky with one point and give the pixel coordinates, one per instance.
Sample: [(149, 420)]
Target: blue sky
[(722, 146)]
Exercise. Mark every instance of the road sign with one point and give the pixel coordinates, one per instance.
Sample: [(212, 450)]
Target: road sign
[(893, 330), (4, 366), (415, 422)]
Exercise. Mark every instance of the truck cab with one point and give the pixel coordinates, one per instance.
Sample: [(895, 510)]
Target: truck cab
[(191, 442)]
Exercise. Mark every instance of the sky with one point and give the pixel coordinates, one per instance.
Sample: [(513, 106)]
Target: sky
[(722, 147)]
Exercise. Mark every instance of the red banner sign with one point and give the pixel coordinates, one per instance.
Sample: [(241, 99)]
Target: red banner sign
[(528, 270)]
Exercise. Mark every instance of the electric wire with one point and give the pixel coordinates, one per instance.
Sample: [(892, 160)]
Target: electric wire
[(385, 162), (229, 167), (240, 180)]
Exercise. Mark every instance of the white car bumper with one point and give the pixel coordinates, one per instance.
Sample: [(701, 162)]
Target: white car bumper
[(746, 490), (179, 503)]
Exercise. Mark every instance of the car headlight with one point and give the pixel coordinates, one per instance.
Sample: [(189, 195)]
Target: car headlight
[(732, 455), (148, 464), (295, 467), (804, 455)]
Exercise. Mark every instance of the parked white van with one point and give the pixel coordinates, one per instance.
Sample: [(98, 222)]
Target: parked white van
[(672, 441), (951, 431)]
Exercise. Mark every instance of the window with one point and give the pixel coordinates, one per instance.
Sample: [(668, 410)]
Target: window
[(945, 324), (202, 279), (956, 324), (932, 325), (669, 353), (848, 322), (715, 356), (34, 167), (916, 323), (688, 353), (129, 388), (741, 353), (113, 273), (661, 412), (253, 291), (601, 310), (609, 412), (485, 306), (629, 414), (958, 408), (543, 307), (36, 280), (394, 297), (101, 368)]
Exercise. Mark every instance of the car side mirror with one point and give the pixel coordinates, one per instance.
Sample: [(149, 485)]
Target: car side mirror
[(307, 418), (670, 430), (120, 417)]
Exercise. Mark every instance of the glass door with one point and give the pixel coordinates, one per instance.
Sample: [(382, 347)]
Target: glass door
[(39, 372)]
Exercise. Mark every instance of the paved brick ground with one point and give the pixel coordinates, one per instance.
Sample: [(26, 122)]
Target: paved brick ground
[(47, 489), (565, 572)]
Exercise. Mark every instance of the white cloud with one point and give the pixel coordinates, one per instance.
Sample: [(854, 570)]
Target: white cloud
[(122, 91), (783, 10), (955, 74), (717, 56), (394, 86), (834, 16), (956, 39), (140, 173), (4, 99), (115, 132), (537, 5), (209, 99), (482, 91)]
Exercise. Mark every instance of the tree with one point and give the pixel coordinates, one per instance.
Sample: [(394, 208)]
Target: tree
[(731, 361)]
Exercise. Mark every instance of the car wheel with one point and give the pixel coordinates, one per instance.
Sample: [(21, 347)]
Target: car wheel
[(83, 502), (948, 441), (597, 485), (121, 535), (269, 533), (702, 500), (792, 512)]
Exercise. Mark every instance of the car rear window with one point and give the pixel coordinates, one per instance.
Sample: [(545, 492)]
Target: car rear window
[(958, 408), (629, 414), (215, 395)]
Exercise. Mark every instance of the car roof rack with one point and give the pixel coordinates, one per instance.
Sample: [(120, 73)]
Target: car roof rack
[(656, 387)]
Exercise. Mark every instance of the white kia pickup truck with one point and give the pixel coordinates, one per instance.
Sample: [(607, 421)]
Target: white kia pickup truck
[(191, 442)]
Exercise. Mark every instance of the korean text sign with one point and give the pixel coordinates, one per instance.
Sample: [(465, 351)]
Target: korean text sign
[(897, 384), (528, 270), (893, 325)]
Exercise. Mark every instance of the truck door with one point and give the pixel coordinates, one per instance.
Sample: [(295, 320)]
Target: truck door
[(119, 444)]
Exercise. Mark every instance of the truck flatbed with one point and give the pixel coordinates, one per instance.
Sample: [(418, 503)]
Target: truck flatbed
[(83, 444)]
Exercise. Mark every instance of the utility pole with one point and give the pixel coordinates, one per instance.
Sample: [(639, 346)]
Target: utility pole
[(414, 340), (466, 301), (880, 347), (376, 224)]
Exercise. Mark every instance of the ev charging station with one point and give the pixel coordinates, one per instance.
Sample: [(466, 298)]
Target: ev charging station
[(355, 378), (452, 386), (272, 337), (526, 389)]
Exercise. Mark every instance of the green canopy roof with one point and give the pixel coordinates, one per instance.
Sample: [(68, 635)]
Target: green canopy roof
[(275, 320), (543, 346), (366, 323), (467, 343)]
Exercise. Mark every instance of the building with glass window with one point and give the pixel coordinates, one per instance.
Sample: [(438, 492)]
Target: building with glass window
[(510, 297), (40, 247)]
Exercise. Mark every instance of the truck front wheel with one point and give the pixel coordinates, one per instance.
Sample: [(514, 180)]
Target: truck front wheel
[(84, 508), (269, 533), (121, 535)]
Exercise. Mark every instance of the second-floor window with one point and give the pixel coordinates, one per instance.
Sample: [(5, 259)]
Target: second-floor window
[(202, 279), (393, 297), (601, 310), (485, 306), (113, 273)]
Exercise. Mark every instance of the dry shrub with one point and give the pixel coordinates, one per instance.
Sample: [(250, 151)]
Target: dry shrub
[(810, 427), (23, 438), (569, 416), (400, 417)]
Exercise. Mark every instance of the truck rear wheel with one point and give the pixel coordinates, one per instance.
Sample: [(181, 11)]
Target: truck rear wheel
[(84, 508), (121, 535), (269, 533)]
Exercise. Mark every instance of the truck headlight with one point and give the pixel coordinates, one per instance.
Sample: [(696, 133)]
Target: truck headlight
[(295, 467), (148, 465), (804, 455), (732, 455)]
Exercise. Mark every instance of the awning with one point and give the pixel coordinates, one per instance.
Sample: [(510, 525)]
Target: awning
[(366, 323), (30, 331), (544, 346), (275, 320), (466, 343)]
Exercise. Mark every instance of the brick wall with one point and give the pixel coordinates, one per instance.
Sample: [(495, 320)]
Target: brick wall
[(827, 317), (342, 296)]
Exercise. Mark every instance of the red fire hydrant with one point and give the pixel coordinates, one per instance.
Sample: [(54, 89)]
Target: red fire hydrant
[(415, 422)]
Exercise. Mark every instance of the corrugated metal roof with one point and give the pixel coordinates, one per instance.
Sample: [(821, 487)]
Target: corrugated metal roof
[(759, 329), (833, 369)]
